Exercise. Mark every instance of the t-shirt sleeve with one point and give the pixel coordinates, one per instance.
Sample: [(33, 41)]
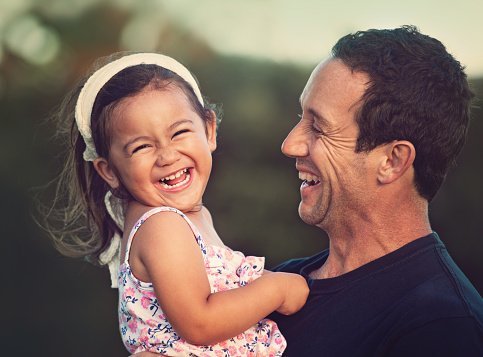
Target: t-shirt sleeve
[(291, 266), (444, 337)]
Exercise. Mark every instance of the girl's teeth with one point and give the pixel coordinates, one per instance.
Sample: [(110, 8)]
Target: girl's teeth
[(174, 176), (165, 185)]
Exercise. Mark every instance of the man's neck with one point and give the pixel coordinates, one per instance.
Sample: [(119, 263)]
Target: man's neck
[(355, 243)]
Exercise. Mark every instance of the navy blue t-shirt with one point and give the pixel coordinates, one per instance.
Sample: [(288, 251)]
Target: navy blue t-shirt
[(414, 301)]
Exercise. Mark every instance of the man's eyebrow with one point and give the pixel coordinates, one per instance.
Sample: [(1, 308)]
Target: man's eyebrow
[(317, 117)]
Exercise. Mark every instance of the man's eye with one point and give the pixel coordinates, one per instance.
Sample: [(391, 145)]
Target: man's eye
[(317, 130), (179, 132), (140, 147)]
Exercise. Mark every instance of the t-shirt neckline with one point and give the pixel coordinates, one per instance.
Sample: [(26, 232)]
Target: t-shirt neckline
[(365, 271)]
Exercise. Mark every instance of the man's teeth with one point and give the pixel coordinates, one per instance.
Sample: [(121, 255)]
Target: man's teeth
[(308, 177)]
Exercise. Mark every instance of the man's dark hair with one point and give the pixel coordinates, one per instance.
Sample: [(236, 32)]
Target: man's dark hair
[(417, 92)]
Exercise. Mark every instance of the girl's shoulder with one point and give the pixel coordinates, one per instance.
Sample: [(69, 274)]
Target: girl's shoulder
[(138, 215), (159, 234), (155, 226)]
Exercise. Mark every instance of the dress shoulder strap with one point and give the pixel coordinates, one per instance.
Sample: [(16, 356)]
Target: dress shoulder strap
[(156, 210)]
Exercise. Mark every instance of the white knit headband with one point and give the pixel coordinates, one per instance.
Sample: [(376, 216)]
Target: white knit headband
[(94, 84)]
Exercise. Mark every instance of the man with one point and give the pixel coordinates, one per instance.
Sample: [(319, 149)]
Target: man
[(383, 120)]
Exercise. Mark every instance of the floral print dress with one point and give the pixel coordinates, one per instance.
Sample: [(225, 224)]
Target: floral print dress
[(144, 326)]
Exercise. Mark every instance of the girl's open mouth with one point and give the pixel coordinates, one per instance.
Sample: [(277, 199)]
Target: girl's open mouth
[(176, 180)]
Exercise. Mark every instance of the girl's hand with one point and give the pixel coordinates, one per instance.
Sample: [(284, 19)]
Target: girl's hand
[(145, 354), (295, 290)]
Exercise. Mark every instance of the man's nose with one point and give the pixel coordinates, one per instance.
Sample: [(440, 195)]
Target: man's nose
[(295, 144)]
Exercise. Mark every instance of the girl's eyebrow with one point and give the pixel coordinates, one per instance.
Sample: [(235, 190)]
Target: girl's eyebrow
[(179, 122), (132, 141)]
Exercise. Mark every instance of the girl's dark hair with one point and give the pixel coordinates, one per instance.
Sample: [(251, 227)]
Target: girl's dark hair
[(417, 92), (78, 220)]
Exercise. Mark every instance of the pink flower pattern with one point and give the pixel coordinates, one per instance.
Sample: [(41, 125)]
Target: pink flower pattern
[(144, 327)]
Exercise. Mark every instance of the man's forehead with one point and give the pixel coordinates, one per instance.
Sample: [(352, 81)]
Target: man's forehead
[(333, 75), (312, 78)]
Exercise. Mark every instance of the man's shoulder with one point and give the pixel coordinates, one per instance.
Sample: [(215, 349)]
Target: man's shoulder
[(442, 296), (431, 287)]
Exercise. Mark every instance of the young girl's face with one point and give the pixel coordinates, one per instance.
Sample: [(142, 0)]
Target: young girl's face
[(160, 149)]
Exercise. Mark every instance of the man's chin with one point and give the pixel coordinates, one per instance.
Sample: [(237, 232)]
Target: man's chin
[(310, 215)]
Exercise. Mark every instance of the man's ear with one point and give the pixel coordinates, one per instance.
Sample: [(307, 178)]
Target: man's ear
[(105, 170), (211, 127), (398, 157)]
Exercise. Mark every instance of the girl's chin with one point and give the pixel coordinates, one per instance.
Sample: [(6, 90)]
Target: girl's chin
[(184, 204), (186, 208)]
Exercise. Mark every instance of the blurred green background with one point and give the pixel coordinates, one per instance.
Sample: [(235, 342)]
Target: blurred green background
[(57, 306)]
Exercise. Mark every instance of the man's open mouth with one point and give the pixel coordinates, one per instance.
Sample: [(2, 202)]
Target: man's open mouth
[(309, 179)]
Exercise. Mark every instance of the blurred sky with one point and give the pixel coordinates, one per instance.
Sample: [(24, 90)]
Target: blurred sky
[(305, 30), (300, 31)]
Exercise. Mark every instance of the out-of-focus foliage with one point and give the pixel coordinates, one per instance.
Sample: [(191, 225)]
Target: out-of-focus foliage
[(58, 306)]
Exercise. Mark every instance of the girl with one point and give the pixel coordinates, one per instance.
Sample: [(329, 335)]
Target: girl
[(139, 163)]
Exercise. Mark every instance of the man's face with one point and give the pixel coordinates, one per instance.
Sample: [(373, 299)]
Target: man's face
[(336, 180)]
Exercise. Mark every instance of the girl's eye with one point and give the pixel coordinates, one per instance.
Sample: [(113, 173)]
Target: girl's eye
[(179, 132), (140, 147)]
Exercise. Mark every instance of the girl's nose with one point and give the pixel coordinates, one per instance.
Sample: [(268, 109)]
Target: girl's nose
[(295, 144), (167, 156)]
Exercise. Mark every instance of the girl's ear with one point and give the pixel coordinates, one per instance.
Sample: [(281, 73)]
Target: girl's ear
[(211, 131), (398, 158), (105, 170)]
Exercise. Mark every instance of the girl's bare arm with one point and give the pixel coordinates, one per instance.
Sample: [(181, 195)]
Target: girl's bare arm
[(171, 259)]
